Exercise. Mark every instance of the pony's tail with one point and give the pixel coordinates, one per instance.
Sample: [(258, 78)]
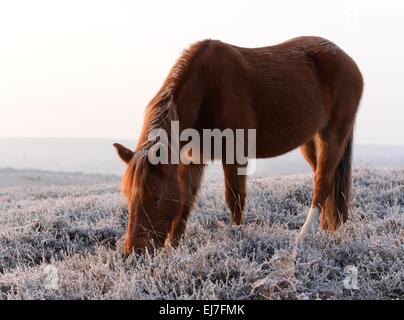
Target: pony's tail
[(337, 204)]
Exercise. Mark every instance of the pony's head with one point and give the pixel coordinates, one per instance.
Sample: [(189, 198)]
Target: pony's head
[(153, 197)]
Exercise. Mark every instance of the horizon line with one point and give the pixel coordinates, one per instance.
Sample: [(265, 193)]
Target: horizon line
[(135, 139)]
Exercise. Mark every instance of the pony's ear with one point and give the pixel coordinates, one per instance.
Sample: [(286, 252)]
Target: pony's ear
[(124, 153)]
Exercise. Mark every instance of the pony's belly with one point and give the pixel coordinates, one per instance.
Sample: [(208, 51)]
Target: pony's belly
[(272, 152), (274, 144), (288, 128)]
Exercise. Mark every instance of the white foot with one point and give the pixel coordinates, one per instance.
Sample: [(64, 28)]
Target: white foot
[(310, 227)]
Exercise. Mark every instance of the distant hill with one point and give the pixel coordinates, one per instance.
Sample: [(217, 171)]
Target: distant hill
[(10, 177), (98, 156)]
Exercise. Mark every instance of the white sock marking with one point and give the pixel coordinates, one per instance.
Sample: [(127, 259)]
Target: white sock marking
[(310, 227)]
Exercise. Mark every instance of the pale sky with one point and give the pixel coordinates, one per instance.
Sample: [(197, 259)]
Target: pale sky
[(89, 68)]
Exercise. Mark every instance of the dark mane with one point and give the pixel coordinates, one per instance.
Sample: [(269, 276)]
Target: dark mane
[(159, 113), (162, 109)]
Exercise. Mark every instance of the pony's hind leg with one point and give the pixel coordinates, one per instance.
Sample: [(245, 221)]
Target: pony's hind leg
[(235, 191), (330, 148), (308, 151)]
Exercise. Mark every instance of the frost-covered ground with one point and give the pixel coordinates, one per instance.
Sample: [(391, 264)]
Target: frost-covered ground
[(75, 227)]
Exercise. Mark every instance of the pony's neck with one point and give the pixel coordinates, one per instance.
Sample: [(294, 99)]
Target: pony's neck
[(162, 110)]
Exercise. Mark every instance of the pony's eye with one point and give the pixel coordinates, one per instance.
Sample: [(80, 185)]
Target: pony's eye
[(156, 199)]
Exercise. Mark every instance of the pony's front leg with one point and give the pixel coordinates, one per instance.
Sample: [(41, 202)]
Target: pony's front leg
[(235, 192), (190, 177)]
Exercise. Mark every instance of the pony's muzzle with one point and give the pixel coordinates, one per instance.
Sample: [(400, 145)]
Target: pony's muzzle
[(139, 244)]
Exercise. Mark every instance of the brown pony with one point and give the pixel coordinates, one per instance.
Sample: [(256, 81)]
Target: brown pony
[(304, 92)]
